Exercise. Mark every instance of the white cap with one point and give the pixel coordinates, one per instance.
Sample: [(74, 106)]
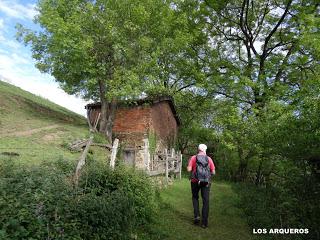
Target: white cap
[(202, 147)]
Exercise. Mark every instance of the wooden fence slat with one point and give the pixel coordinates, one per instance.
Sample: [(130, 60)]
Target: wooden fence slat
[(82, 160), (114, 152), (166, 166), (155, 173), (180, 166), (88, 119), (97, 121)]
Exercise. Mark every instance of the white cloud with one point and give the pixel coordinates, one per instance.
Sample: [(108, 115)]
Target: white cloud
[(20, 59), (12, 44), (16, 10), (2, 38)]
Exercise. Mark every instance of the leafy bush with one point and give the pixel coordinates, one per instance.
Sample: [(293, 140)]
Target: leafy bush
[(42, 203), (290, 202)]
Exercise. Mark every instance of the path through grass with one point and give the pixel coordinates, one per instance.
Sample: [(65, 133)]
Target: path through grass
[(226, 220)]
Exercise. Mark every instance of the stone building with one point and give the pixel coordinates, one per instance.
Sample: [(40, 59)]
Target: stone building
[(143, 127)]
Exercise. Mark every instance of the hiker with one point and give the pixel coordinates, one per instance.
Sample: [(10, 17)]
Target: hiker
[(202, 168)]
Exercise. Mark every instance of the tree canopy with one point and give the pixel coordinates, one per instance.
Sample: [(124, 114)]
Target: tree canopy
[(106, 50)]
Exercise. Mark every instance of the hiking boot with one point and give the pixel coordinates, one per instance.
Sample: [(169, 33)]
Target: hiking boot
[(204, 225), (196, 220)]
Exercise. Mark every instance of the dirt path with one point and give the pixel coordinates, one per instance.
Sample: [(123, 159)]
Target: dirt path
[(28, 132)]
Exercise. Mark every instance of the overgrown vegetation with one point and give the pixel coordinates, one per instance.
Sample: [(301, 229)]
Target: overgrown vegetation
[(41, 202)]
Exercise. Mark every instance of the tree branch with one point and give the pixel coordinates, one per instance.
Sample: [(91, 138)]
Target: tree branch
[(284, 62), (260, 22), (242, 26), (232, 97), (276, 27), (184, 87)]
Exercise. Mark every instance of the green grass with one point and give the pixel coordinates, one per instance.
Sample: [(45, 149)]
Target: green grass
[(226, 220), (21, 111)]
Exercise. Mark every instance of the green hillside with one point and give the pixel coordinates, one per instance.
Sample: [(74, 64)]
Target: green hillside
[(34, 129)]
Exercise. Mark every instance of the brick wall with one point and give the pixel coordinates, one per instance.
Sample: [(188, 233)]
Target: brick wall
[(132, 124), (163, 121), (135, 119)]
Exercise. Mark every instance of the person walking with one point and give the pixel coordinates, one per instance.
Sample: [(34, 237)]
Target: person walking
[(202, 168)]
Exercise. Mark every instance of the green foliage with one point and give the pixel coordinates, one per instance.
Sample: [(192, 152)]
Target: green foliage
[(41, 202), (292, 201), (152, 138), (99, 138), (115, 44)]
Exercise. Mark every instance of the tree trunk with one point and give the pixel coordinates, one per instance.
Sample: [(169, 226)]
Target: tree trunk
[(108, 110), (259, 173), (111, 112), (243, 165)]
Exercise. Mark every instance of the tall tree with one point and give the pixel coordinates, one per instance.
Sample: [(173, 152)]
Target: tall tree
[(256, 52), (97, 49)]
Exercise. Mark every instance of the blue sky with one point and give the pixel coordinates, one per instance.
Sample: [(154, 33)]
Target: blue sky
[(16, 63)]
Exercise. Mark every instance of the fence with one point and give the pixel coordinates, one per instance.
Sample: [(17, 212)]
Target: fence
[(164, 163)]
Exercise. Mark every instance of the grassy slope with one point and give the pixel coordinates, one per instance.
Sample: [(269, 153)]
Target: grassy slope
[(226, 221), (21, 112)]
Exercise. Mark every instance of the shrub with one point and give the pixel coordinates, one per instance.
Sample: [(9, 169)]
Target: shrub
[(41, 202)]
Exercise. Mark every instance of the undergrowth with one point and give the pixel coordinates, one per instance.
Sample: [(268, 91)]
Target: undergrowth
[(41, 202)]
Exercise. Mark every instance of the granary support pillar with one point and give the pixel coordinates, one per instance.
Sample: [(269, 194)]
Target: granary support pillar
[(146, 155)]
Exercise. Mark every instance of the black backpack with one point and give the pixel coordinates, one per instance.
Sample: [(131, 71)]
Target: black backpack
[(202, 169)]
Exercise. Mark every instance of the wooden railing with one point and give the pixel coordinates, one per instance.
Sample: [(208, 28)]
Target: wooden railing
[(164, 163)]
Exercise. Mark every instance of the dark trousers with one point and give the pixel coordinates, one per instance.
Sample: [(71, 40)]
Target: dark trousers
[(205, 191)]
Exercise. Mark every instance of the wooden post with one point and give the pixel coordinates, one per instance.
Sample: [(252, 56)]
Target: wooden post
[(82, 160), (172, 162), (180, 165), (96, 123), (114, 153), (152, 160), (167, 166), (88, 119)]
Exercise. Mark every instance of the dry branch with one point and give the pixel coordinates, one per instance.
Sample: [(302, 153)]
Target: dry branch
[(82, 160)]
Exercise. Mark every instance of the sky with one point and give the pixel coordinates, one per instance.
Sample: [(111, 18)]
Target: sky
[(16, 64)]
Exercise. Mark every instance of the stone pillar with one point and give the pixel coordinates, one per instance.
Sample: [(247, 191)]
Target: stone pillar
[(146, 155)]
